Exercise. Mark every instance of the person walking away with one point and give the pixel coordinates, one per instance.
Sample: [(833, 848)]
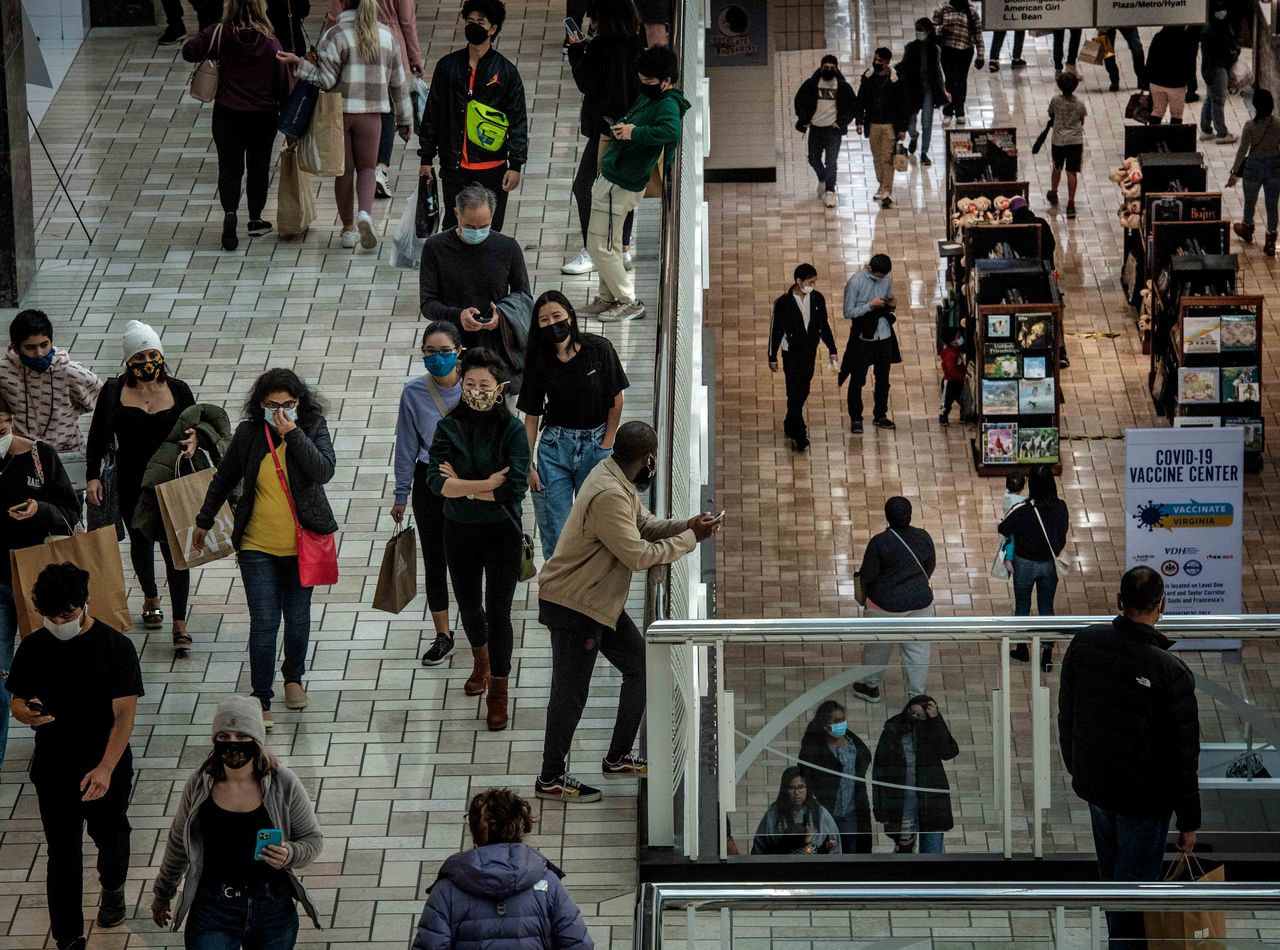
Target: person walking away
[(1218, 52), (252, 83), (133, 418), (909, 757), (920, 72), (1258, 164), (646, 135), (895, 572), (1038, 530), (604, 72), (1067, 143), (869, 307), (1134, 41), (1129, 730), (997, 43), (960, 36), (882, 112), (1167, 75), (502, 893), (279, 460), (207, 13), (360, 59), (286, 18), (954, 373), (835, 761), (825, 104), (799, 322), (475, 116), (238, 892), (1072, 51), (582, 595), (479, 465), (796, 822), (423, 403), (77, 683), (573, 386)]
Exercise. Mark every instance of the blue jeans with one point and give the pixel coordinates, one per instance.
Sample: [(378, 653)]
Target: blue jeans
[(824, 151), (565, 459), (929, 842), (925, 117), (1213, 114), (272, 590), (8, 636), (1251, 188), (1129, 848), (1043, 576), (229, 923)]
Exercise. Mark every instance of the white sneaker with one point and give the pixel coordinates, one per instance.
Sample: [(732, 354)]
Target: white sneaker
[(350, 239), (628, 262), (364, 224), (598, 306), (829, 199), (1208, 136), (960, 121), (381, 187), (624, 311), (580, 264), (1226, 139)]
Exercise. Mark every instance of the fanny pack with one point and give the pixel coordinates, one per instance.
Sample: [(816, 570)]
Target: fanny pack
[(487, 127)]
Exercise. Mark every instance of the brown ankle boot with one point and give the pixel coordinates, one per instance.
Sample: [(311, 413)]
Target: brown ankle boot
[(1269, 248), (1243, 231), (478, 681), (497, 701)]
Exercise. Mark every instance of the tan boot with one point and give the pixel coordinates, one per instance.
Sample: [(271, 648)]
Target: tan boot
[(497, 700), (478, 681)]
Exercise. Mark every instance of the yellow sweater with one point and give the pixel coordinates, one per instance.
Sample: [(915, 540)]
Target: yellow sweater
[(271, 529)]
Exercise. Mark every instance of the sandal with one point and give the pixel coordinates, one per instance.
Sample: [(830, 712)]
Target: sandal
[(181, 639), (152, 618)]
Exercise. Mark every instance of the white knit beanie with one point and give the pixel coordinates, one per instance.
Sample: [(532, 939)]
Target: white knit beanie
[(138, 336)]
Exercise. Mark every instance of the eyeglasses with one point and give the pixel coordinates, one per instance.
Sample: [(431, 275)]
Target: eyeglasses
[(274, 406), (434, 351)]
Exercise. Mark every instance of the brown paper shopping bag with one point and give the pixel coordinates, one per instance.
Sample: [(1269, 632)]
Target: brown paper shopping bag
[(322, 150), (295, 204), (97, 552), (180, 501), (398, 575), (1188, 929)]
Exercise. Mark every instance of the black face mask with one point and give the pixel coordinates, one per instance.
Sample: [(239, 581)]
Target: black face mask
[(235, 755), (643, 480), (475, 33), (556, 332), (652, 91), (828, 74)]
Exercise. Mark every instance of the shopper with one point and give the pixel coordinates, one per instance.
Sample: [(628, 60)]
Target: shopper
[(1129, 730), (954, 373), (646, 135), (502, 893), (573, 386), (475, 116), (1258, 164), (825, 104), (835, 763), (239, 892), (1038, 529), (252, 83), (1047, 245), (582, 594), (1167, 74), (869, 306), (77, 683), (1067, 113), (479, 465), (604, 73), (920, 72), (286, 18), (1218, 52), (359, 58), (207, 13), (135, 413), (1134, 41), (909, 757), (997, 43), (1190, 51), (1072, 51), (796, 823), (960, 36), (283, 441), (881, 115), (798, 324)]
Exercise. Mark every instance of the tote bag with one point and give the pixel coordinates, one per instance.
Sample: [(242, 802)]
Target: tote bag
[(296, 205), (317, 553), (321, 150), (97, 552), (398, 574), (1188, 929), (180, 500)]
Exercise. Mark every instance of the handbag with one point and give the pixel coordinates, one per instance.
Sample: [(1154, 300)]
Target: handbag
[(322, 148), (999, 570), (180, 500), (1061, 566), (900, 158), (427, 213), (204, 78), (527, 568), (317, 553), (107, 514), (1139, 107), (859, 592), (295, 117)]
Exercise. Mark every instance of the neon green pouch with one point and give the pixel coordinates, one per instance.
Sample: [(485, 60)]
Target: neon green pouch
[(486, 126)]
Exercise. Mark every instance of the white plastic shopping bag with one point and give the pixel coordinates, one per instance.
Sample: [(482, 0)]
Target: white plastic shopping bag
[(405, 248)]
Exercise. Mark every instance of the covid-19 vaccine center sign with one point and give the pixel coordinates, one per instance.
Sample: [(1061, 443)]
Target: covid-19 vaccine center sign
[(1074, 14), (1184, 494)]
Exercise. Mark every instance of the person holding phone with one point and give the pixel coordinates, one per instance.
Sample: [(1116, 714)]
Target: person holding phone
[(244, 826)]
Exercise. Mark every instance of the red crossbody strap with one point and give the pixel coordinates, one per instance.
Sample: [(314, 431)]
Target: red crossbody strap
[(284, 483)]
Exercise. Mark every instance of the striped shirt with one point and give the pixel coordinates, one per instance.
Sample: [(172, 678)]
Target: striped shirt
[(958, 29), (366, 87)]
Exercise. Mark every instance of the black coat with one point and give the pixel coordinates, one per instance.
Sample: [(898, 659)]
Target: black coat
[(788, 322), (915, 80), (881, 100), (823, 786), (806, 101), (855, 346), (605, 73), (1048, 244), (444, 122), (934, 745), (1128, 723), (891, 576)]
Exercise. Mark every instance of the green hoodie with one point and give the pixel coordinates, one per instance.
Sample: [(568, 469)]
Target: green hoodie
[(657, 127)]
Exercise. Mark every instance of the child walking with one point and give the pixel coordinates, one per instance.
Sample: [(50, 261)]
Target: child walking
[(953, 375), (1067, 113)]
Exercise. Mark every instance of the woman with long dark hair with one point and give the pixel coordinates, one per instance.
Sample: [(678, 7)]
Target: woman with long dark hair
[(573, 385), (960, 36), (835, 761), (283, 441), (1038, 527), (1258, 164), (796, 823)]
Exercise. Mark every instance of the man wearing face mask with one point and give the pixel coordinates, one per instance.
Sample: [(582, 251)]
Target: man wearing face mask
[(825, 104), (799, 323), (881, 115), (77, 682), (582, 591), (870, 308)]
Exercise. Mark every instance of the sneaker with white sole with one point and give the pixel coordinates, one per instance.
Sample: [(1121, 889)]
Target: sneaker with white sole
[(822, 189), (598, 306), (439, 651), (581, 263), (629, 766), (566, 789), (364, 224), (1208, 136), (628, 262), (870, 694), (1227, 138), (381, 187), (350, 239), (624, 311), (878, 197), (829, 199)]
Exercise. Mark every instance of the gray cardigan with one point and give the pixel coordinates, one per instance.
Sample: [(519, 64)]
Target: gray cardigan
[(290, 809)]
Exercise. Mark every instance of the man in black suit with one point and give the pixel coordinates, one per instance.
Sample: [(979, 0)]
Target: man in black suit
[(799, 322)]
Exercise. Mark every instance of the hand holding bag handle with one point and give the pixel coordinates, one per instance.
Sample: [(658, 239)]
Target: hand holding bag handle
[(317, 553)]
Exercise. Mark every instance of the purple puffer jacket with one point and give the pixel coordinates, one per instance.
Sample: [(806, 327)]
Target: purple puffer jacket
[(501, 897)]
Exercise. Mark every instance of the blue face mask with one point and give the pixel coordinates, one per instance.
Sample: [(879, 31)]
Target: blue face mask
[(838, 729), (440, 364), (38, 363), (474, 235)]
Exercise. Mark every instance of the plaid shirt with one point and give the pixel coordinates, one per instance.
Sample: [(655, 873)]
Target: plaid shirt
[(959, 30), (366, 87)]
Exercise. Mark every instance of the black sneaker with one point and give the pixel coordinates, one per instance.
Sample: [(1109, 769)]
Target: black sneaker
[(258, 227), (439, 651), (856, 427), (173, 34), (869, 693), (883, 423), (925, 160), (1019, 63), (566, 788), (229, 240), (80, 943), (911, 145), (111, 908), (629, 766), (799, 444), (943, 420), (1051, 197)]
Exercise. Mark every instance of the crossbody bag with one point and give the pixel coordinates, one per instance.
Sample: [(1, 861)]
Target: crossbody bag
[(317, 553)]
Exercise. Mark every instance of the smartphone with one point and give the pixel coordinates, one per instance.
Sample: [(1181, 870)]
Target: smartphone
[(572, 28), (18, 507), (720, 517), (485, 315), (37, 708), (267, 836)]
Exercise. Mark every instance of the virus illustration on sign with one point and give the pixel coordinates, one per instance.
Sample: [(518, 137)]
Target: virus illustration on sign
[(1150, 516)]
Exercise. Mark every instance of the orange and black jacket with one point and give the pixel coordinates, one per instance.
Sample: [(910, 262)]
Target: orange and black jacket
[(495, 84)]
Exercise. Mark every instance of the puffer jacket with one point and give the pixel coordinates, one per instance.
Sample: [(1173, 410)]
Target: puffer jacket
[(47, 406), (501, 897), (213, 430)]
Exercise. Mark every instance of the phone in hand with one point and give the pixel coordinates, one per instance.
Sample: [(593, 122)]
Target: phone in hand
[(571, 27), (20, 506), (267, 837), (485, 315), (720, 517), (36, 707), (609, 122)]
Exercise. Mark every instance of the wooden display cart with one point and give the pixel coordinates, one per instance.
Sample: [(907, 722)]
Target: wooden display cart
[(1182, 242)]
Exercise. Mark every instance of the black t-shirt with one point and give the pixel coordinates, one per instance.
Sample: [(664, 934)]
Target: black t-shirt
[(230, 842), (577, 394), (76, 680)]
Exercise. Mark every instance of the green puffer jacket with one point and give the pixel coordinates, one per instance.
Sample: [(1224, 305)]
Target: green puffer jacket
[(657, 126), (213, 430)]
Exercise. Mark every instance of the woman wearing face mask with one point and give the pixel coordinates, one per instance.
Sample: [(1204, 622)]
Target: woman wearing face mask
[(134, 416), (238, 892), (960, 36), (920, 72), (835, 762), (283, 440), (424, 402), (796, 823), (909, 758), (480, 467), (573, 385)]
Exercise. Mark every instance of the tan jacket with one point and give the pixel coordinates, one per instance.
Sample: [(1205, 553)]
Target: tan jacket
[(608, 537)]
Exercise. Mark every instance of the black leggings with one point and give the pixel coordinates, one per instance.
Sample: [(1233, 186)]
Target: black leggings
[(488, 555), (142, 554), (428, 508), (244, 139), (955, 72), (582, 182)]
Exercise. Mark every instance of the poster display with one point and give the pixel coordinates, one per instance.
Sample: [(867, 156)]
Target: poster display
[(738, 33), (1037, 14), (1184, 495)]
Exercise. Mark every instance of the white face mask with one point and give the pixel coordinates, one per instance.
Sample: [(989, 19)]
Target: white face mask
[(64, 631), (5, 441), (806, 290)]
